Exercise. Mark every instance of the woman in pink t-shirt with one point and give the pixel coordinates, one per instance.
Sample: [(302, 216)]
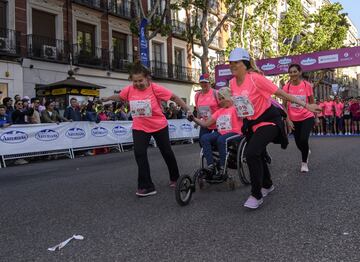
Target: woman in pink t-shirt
[(339, 113), (206, 103), (355, 114), (144, 98), (329, 112), (228, 124), (347, 117), (252, 97), (300, 120)]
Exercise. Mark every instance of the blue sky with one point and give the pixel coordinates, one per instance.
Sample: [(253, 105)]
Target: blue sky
[(352, 7)]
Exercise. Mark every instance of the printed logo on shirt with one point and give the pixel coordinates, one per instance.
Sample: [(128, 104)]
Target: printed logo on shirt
[(99, 131), (47, 135), (204, 112), (223, 123), (302, 98), (75, 133), (119, 130), (14, 137)]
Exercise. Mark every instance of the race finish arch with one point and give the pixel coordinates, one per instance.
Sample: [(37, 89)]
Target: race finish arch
[(337, 58)]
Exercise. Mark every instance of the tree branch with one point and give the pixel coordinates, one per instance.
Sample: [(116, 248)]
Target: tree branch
[(157, 30)]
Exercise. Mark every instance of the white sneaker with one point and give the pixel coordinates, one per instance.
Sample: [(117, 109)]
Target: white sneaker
[(253, 203), (304, 168), (322, 134), (266, 191)]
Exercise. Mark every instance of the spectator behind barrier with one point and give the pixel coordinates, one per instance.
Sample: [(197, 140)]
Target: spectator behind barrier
[(20, 115), (35, 118), (72, 112), (50, 115), (5, 120)]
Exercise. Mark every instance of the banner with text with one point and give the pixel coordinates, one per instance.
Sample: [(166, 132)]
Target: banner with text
[(18, 139)]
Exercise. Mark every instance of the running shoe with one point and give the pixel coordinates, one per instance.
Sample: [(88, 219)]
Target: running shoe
[(253, 203), (266, 191), (304, 168), (146, 192)]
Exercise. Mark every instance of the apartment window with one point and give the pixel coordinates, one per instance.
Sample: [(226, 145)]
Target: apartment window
[(3, 14), (179, 57), (119, 42), (4, 90), (86, 38), (43, 24), (157, 53)]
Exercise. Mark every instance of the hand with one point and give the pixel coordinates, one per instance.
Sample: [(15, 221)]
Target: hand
[(313, 108), (290, 126)]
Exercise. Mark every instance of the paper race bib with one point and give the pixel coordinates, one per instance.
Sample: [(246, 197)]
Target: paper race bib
[(141, 108), (302, 98), (204, 112), (244, 107), (223, 123)]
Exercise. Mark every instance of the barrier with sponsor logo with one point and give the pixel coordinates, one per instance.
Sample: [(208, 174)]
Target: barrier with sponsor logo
[(22, 139)]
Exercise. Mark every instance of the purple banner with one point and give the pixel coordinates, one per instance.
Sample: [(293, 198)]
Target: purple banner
[(344, 57)]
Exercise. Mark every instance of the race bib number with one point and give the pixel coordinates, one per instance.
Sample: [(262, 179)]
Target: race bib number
[(141, 108), (302, 98), (244, 107), (204, 112), (223, 123)]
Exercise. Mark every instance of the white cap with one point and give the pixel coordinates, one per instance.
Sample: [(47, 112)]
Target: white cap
[(239, 54)]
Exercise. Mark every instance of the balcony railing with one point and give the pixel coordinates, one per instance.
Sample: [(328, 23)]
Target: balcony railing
[(120, 8), (92, 3), (178, 27), (175, 72), (9, 42), (91, 57), (46, 48), (120, 61)]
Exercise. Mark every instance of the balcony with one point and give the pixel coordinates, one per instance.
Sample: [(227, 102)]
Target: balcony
[(98, 4), (178, 28), (120, 61), (173, 72), (91, 57), (45, 48), (9, 42), (216, 42), (120, 8)]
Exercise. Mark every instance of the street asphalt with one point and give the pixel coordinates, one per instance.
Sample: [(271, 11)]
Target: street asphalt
[(309, 217)]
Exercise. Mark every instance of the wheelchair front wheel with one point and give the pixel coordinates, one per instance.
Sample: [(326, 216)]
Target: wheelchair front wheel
[(183, 190)]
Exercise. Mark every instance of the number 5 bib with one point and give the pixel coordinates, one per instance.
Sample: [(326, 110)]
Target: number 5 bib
[(244, 107), (141, 108)]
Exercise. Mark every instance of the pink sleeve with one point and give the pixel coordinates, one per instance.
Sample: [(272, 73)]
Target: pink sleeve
[(215, 115), (124, 94), (161, 92), (264, 85), (309, 89)]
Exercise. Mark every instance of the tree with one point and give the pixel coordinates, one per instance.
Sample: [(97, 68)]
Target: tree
[(201, 29)]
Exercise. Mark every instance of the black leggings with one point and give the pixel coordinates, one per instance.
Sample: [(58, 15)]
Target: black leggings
[(302, 134), (141, 143), (255, 152)]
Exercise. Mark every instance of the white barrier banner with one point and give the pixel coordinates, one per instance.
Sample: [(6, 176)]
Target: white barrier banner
[(19, 139)]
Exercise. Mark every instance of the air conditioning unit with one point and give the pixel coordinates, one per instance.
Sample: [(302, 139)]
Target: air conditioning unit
[(4, 44), (49, 51)]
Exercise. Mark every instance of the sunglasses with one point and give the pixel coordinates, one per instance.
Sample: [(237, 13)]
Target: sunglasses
[(19, 103)]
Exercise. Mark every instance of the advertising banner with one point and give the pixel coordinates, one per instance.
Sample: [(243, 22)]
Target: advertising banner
[(337, 58), (18, 139)]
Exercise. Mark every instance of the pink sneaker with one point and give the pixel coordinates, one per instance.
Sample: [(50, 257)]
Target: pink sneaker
[(266, 191), (172, 184), (253, 203), (145, 192)]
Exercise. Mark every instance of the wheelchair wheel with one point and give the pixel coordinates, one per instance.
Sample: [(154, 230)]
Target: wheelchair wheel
[(242, 168), (183, 190)]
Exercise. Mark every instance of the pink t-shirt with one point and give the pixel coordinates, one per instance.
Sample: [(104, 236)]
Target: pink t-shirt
[(328, 108), (206, 105), (253, 96), (301, 92), (227, 120), (145, 106), (321, 105), (355, 109), (339, 109)]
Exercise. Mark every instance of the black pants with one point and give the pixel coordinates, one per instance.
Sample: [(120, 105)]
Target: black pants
[(141, 143), (255, 152), (302, 134)]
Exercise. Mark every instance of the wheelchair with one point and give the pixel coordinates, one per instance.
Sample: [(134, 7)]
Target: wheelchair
[(235, 159)]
